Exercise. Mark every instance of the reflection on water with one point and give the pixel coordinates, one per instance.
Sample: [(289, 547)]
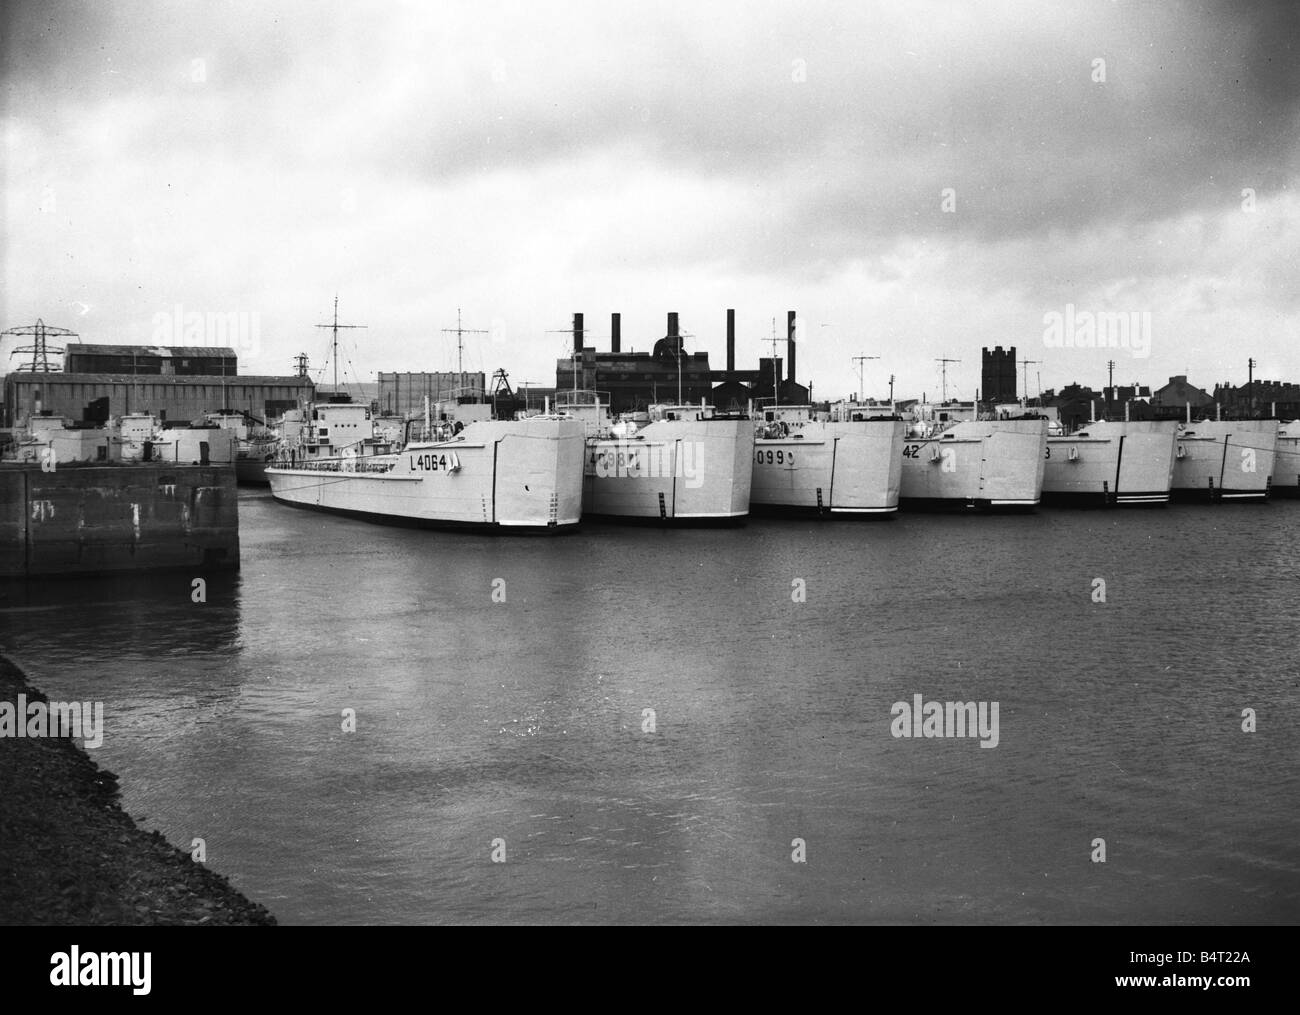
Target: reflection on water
[(525, 720)]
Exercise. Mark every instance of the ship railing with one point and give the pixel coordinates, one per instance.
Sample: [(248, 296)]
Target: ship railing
[(581, 398), (348, 465)]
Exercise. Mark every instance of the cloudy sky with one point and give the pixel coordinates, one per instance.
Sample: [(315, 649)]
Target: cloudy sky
[(916, 179)]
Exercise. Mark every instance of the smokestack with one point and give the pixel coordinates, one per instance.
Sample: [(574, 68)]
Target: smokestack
[(731, 341), (615, 332), (672, 324), (577, 333), (789, 345)]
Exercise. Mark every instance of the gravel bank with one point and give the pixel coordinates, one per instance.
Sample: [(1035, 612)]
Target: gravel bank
[(70, 856)]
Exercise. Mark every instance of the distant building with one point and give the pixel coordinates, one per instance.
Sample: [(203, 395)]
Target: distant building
[(1172, 400), (998, 375), (1077, 405), (1259, 399), (401, 394), (161, 360), (635, 380), (94, 396)]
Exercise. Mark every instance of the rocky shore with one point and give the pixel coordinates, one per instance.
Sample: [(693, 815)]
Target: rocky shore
[(70, 856)]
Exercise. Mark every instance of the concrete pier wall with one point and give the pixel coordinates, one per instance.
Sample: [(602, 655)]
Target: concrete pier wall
[(80, 519)]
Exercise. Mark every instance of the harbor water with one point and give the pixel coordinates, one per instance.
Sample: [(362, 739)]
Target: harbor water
[(643, 726)]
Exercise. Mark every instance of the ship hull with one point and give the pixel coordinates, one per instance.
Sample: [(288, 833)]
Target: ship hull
[(841, 469), (517, 476), (994, 465), (251, 472), (1225, 461), (682, 471), (1286, 466), (1111, 464)]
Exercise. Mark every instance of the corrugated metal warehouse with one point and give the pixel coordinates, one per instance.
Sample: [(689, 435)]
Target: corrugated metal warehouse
[(174, 397)]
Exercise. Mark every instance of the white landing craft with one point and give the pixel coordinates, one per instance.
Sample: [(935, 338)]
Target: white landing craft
[(1225, 460), (465, 470), (850, 463), (683, 464), (993, 465), (1107, 463), (1286, 467)]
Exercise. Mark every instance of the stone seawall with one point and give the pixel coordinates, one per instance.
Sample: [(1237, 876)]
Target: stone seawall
[(81, 519)]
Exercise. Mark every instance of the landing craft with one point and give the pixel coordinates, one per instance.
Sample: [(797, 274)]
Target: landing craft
[(1221, 460), (848, 463), (1111, 463), (954, 463), (685, 464), (1286, 466), (463, 470)]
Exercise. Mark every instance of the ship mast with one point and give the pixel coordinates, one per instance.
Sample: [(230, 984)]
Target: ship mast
[(460, 332), (335, 328), (945, 363), (1025, 363), (776, 383), (862, 384)]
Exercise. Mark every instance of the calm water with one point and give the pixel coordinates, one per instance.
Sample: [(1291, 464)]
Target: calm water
[(522, 720)]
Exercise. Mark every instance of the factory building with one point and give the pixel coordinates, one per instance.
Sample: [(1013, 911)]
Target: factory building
[(635, 380)]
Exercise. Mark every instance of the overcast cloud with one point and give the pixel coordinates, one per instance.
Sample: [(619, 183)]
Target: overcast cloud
[(523, 161)]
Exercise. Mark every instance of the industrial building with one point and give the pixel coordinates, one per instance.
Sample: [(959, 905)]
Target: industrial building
[(401, 394), (634, 380), (96, 397), (175, 383), (159, 360)]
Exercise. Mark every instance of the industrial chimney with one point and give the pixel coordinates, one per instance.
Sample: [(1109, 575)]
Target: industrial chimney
[(731, 341), (672, 324), (577, 333), (616, 333), (789, 345)]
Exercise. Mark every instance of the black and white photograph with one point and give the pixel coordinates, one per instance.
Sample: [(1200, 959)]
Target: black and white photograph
[(621, 464)]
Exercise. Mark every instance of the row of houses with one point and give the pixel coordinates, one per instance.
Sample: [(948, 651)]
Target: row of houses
[(1077, 404)]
